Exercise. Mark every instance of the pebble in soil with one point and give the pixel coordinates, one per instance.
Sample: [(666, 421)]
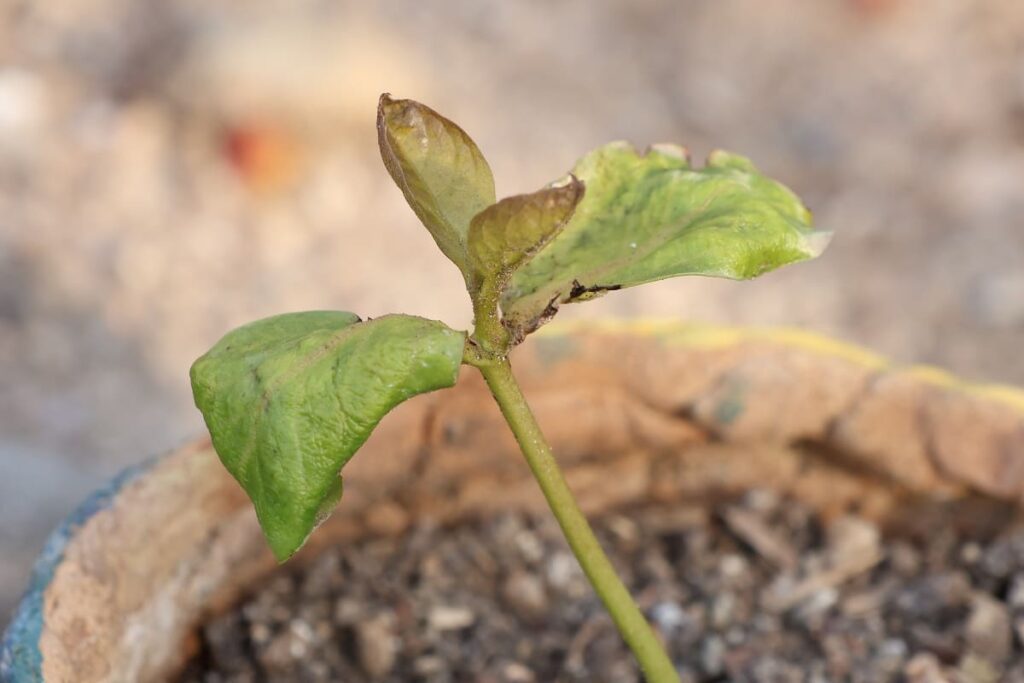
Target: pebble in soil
[(755, 590)]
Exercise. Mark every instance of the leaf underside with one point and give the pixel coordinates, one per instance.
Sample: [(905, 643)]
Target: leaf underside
[(505, 236), (289, 399), (439, 169), (651, 216)]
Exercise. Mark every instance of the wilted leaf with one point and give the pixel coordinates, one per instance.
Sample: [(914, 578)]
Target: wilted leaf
[(439, 169), (289, 399), (652, 216), (506, 235)]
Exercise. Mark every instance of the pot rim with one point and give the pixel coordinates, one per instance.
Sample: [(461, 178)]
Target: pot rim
[(21, 654)]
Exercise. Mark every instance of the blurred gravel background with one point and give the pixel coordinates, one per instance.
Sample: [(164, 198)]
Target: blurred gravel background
[(172, 168)]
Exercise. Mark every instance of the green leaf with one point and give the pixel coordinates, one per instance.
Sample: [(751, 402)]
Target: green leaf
[(439, 169), (289, 399), (506, 235), (651, 216)]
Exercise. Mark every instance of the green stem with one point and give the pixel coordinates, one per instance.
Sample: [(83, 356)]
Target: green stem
[(489, 332), (638, 634)]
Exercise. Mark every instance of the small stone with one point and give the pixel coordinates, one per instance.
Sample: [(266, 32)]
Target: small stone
[(432, 567), (530, 547), (348, 611), (734, 567), (819, 603), (302, 630), (989, 632), (851, 538), (447, 618), (1015, 596), (893, 649), (735, 636), (722, 610), (970, 553), (712, 656), (428, 665), (260, 633), (376, 645), (762, 501), (517, 673), (904, 558), (1004, 557), (564, 575), (668, 617), (524, 593)]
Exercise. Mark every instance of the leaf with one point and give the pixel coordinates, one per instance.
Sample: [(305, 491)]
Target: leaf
[(504, 236), (652, 216), (439, 169), (289, 399)]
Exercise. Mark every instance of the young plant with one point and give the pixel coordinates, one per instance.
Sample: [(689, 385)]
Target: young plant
[(289, 399)]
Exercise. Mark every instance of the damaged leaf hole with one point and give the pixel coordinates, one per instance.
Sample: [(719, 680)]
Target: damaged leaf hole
[(580, 292)]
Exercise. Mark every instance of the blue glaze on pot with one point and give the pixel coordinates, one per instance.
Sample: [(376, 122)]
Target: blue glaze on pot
[(20, 658)]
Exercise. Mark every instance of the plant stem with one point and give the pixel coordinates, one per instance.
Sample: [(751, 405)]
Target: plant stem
[(638, 634)]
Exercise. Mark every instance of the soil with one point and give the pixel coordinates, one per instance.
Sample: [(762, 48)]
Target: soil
[(758, 589)]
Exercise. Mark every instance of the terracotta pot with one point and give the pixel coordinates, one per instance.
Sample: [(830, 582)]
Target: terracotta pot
[(662, 412)]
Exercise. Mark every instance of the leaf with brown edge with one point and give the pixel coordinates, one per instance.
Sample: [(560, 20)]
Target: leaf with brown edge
[(439, 169), (506, 235), (288, 400), (652, 216)]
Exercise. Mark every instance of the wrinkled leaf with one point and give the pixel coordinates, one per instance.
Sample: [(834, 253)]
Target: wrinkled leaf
[(289, 399), (439, 169), (506, 235), (652, 216)]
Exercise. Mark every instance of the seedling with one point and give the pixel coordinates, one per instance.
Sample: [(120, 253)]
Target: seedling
[(289, 399)]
